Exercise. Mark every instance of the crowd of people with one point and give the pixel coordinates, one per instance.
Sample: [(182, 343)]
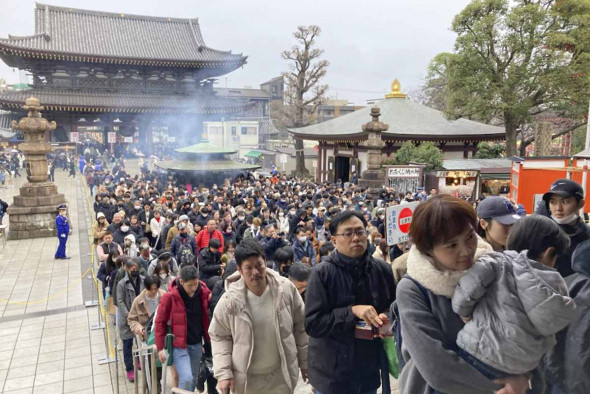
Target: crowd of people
[(271, 278)]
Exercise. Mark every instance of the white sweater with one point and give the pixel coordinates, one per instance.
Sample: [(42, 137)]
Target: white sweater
[(265, 355)]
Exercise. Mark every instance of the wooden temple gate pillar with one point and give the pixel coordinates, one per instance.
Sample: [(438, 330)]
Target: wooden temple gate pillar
[(319, 169)]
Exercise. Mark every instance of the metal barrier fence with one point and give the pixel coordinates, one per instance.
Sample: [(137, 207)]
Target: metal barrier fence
[(146, 356), (146, 353), (104, 322)]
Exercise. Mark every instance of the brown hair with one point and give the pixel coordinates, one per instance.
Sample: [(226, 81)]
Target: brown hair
[(440, 219)]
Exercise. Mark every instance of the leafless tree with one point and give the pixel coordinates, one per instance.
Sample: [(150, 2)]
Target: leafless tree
[(304, 91)]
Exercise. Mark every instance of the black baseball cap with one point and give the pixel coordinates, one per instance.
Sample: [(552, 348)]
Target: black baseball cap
[(565, 188), (499, 209)]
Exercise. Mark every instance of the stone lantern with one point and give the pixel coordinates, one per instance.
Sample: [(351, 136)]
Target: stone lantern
[(373, 178), (33, 212)]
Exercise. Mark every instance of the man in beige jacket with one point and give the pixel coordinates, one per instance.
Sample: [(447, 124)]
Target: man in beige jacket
[(257, 333)]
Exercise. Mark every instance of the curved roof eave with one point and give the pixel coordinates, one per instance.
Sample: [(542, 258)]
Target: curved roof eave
[(405, 119)]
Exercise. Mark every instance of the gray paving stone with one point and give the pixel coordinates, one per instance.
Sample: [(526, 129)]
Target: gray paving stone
[(42, 379), (19, 383)]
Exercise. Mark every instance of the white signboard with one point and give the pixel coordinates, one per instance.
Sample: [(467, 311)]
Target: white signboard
[(112, 137), (456, 174), (397, 222), (74, 136), (283, 158), (128, 139), (403, 172)]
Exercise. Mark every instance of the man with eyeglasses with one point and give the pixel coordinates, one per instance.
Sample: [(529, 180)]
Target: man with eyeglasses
[(348, 287)]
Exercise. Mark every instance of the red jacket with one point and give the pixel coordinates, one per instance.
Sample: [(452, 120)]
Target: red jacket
[(171, 308), (203, 238)]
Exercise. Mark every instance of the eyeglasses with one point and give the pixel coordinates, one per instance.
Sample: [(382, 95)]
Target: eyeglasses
[(351, 234)]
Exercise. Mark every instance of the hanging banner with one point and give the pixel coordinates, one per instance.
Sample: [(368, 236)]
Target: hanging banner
[(112, 137)]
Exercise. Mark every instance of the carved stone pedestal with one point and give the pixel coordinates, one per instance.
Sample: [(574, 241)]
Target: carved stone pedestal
[(33, 212)]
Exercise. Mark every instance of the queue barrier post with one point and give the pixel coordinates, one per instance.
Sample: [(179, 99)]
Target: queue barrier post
[(103, 319), (149, 378)]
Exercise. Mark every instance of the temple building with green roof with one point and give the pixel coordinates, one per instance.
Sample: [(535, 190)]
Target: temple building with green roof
[(341, 140)]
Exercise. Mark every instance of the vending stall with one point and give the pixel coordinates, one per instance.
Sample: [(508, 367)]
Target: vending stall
[(530, 178)]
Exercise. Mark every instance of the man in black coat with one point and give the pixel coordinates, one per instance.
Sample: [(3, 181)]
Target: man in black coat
[(271, 241), (348, 287), (563, 201), (210, 260)]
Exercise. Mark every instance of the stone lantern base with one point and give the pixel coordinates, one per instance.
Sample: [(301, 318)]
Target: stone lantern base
[(32, 215), (373, 181)]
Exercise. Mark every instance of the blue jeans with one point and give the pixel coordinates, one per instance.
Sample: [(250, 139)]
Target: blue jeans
[(489, 372), (128, 354), (186, 361)]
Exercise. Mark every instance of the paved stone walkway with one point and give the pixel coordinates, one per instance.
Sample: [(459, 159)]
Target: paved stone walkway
[(47, 343)]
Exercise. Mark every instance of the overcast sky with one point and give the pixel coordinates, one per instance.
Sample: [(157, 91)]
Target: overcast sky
[(368, 44)]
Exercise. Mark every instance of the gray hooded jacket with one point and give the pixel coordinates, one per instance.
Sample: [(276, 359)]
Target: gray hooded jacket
[(521, 304)]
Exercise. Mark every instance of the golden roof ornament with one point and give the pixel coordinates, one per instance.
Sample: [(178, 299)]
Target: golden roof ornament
[(396, 91)]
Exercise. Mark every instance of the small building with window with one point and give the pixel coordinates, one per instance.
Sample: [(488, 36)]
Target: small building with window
[(241, 135)]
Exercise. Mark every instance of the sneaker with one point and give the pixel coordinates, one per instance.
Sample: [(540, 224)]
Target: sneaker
[(130, 376)]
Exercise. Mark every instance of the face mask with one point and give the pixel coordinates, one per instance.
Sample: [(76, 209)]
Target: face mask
[(281, 215), (381, 217), (134, 274), (566, 220), (162, 276), (241, 218), (302, 239), (124, 228), (292, 212), (377, 241), (137, 208), (127, 243)]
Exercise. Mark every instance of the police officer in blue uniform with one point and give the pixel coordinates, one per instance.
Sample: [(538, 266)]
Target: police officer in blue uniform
[(62, 225)]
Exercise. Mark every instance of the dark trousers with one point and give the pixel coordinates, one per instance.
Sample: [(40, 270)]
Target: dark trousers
[(61, 249), (128, 354)]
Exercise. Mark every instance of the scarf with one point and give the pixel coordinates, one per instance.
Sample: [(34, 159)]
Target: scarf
[(442, 283)]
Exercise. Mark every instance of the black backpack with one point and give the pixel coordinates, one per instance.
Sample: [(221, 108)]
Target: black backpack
[(185, 255), (397, 322)]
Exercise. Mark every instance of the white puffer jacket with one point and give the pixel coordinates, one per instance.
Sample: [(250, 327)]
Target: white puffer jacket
[(232, 337)]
